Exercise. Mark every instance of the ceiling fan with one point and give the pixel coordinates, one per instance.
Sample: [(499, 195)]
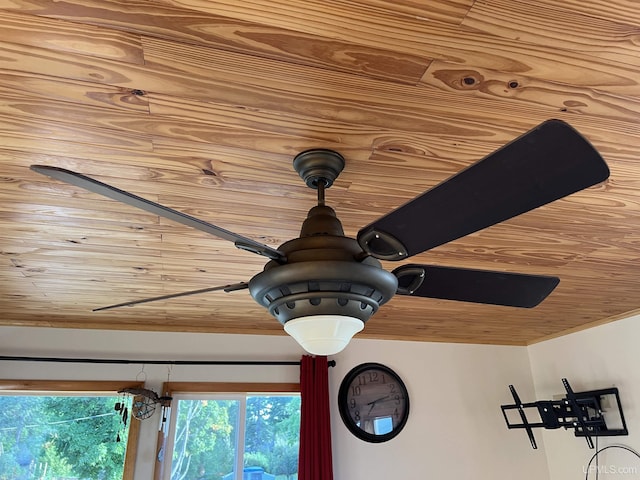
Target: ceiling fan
[(323, 286)]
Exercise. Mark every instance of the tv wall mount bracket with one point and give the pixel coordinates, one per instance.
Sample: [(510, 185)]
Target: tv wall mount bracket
[(590, 414)]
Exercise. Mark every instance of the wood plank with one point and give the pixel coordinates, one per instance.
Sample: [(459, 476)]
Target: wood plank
[(116, 127), (83, 93), (207, 192), (33, 130), (469, 47), (242, 36), (69, 206), (517, 88), (259, 170), (351, 136), (585, 72), (229, 387), (122, 260), (447, 11), (79, 210), (75, 228), (519, 20), (155, 321), (406, 108), (131, 163), (620, 11), (77, 386), (345, 108), (71, 37)]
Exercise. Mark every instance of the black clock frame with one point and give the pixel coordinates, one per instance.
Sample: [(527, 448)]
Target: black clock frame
[(343, 402)]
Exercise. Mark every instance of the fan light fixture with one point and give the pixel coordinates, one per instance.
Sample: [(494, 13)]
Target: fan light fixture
[(323, 334), (322, 296)]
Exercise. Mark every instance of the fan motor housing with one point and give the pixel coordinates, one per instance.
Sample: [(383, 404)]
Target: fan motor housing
[(323, 277), (325, 273)]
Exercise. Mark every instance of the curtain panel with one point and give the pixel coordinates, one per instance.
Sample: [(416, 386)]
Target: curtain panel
[(315, 460)]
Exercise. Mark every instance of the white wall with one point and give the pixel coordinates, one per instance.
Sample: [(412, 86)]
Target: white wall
[(601, 357), (455, 429)]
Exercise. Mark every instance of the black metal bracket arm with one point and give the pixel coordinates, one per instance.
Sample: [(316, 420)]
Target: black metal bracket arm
[(593, 413)]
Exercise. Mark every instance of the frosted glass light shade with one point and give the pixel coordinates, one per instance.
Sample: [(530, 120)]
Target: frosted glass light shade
[(323, 334)]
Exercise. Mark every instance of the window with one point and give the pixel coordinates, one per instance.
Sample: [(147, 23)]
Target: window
[(233, 435), (65, 430)]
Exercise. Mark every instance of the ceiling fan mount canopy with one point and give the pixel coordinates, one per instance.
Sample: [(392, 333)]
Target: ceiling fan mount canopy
[(318, 167)]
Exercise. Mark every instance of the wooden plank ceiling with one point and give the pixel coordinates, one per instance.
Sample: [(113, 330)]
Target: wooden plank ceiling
[(201, 105)]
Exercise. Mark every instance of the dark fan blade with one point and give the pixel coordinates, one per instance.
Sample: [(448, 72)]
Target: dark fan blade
[(477, 286), (227, 288), (114, 193), (545, 164)]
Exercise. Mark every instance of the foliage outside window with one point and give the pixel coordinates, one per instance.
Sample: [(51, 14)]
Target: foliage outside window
[(57, 434), (234, 436)]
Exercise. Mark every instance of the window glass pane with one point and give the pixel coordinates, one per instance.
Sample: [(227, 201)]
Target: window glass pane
[(272, 432), (46, 437), (205, 439), (216, 437)]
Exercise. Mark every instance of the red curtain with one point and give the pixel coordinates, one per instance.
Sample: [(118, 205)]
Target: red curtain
[(315, 461)]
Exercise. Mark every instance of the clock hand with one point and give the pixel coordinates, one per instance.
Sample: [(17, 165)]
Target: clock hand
[(378, 400), (373, 403)]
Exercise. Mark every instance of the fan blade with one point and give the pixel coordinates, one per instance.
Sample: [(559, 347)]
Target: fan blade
[(114, 193), (227, 288), (476, 286), (545, 164)]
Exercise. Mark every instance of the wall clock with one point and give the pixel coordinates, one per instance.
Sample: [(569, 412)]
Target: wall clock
[(373, 402)]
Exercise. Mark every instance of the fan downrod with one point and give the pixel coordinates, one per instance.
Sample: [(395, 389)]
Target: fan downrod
[(318, 167)]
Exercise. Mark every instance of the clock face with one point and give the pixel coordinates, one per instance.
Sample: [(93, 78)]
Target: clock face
[(373, 402)]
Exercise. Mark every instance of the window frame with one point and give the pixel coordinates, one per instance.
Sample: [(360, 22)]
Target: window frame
[(79, 387), (214, 388)]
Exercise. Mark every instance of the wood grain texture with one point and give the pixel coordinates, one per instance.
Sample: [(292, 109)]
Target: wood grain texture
[(447, 11), (76, 386), (201, 106), (66, 90), (71, 37), (465, 46), (209, 29), (621, 11), (523, 22), (229, 387)]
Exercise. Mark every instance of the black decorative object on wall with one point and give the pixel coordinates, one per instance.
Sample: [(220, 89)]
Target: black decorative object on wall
[(594, 413), (145, 402), (373, 402)]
